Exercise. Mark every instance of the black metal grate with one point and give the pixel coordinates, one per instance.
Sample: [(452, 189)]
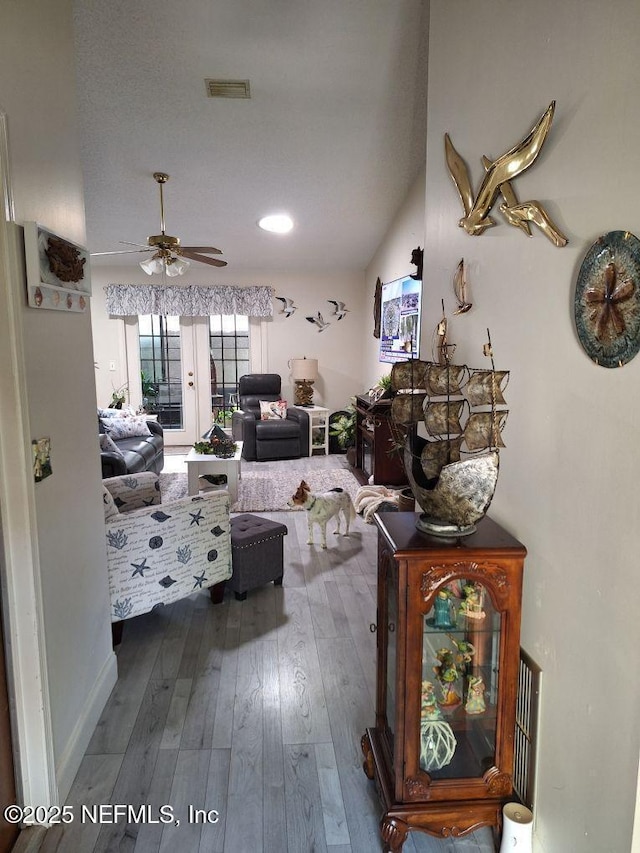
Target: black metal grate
[(526, 734)]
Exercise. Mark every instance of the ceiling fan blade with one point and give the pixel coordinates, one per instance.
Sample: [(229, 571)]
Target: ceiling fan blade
[(193, 256), (122, 252), (129, 243), (208, 250)]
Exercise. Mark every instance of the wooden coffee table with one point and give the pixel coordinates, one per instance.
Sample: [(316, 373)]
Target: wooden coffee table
[(205, 463)]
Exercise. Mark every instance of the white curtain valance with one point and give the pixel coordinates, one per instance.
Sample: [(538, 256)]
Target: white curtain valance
[(125, 300)]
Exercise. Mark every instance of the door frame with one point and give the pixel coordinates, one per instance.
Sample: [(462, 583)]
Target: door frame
[(24, 636), (8, 832)]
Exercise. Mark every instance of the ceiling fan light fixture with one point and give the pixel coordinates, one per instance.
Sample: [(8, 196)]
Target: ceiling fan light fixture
[(183, 265), (151, 266), (167, 257), (277, 223), (176, 266)]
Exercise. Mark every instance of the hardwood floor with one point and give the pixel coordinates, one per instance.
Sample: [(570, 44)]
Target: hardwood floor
[(253, 709)]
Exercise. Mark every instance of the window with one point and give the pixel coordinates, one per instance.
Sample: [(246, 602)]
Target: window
[(229, 359), (161, 365)]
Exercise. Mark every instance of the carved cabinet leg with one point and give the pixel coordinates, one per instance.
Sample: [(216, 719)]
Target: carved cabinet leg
[(394, 833), (367, 764)]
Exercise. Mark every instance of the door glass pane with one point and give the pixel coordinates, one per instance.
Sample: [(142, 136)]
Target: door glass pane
[(391, 636), (161, 365), (229, 359), (459, 696)]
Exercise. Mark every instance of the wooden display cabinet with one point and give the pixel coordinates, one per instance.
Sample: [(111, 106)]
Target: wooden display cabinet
[(448, 608), (375, 455)]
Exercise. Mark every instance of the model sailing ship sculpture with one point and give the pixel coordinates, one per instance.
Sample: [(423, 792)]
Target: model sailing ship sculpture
[(452, 472)]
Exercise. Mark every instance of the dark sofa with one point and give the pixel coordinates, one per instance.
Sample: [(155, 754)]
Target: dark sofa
[(139, 453)]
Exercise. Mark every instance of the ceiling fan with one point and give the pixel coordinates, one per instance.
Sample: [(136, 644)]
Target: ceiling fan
[(168, 255)]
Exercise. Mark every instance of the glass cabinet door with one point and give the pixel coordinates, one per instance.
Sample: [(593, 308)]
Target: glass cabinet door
[(391, 638), (390, 633), (459, 690)]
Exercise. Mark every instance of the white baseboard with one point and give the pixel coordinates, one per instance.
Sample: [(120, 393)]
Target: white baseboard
[(30, 840), (83, 730)]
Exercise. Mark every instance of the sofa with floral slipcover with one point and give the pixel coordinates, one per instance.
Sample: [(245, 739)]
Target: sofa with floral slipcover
[(158, 553)]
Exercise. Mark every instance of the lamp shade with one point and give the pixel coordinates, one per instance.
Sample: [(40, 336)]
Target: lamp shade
[(304, 369)]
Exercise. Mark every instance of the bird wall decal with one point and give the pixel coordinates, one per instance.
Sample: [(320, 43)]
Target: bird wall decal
[(319, 321), (287, 305), (340, 308), (498, 175)]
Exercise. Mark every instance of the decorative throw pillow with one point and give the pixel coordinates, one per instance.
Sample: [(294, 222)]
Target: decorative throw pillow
[(272, 409), (110, 509), (108, 413), (119, 428), (108, 444), (124, 412)]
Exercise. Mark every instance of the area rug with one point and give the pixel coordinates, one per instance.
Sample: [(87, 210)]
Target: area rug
[(268, 491)]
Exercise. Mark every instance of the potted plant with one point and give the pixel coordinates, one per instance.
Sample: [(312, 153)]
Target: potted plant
[(224, 416), (382, 389), (385, 383), (149, 391), (119, 397), (224, 448), (343, 428)]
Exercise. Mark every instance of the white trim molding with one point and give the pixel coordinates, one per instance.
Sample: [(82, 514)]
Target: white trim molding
[(22, 595), (5, 176)]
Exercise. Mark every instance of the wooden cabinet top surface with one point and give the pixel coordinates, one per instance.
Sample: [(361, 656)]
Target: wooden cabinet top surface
[(399, 528), (364, 401)]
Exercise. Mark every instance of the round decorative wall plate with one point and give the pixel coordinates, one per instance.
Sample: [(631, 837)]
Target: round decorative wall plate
[(607, 299)]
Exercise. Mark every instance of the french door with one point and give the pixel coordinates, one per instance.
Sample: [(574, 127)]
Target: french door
[(189, 368)]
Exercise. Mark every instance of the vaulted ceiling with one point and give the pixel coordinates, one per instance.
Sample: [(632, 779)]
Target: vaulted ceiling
[(333, 133)]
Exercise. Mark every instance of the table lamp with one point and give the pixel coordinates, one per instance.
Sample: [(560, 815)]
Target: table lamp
[(304, 372)]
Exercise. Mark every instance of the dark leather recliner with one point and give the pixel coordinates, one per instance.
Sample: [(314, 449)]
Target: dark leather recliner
[(279, 438)]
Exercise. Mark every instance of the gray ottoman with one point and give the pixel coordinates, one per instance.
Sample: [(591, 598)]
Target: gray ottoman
[(256, 553)]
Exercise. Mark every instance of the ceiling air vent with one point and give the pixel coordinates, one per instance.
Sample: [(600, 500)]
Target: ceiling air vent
[(227, 88)]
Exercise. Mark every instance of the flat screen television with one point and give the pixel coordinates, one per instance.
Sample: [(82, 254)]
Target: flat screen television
[(400, 319)]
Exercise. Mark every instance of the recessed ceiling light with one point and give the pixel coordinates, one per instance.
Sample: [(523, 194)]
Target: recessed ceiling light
[(279, 223)]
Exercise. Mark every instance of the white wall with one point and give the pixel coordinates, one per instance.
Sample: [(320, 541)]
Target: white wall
[(569, 476), (337, 348), (392, 260), (37, 93)]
